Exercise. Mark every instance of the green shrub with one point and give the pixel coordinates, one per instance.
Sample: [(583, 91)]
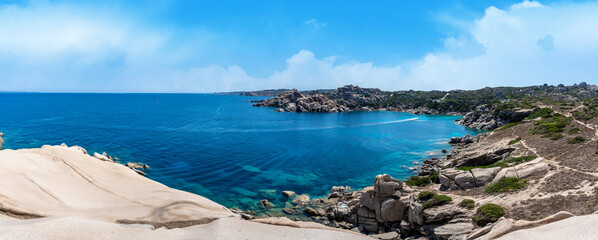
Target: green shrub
[(555, 136), (467, 203), (505, 185), (425, 195), (541, 112), (508, 125), (516, 140), (578, 139), (418, 181), (496, 164), (488, 213), (437, 200), (573, 131), (548, 126), (434, 177), (521, 159)]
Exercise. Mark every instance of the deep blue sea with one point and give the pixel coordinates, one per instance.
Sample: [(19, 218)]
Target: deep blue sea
[(223, 148)]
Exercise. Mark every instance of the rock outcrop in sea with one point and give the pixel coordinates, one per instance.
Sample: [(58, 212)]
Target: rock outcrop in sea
[(295, 101)]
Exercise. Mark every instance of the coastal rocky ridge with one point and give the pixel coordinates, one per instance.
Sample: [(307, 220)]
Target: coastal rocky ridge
[(486, 108), (535, 168)]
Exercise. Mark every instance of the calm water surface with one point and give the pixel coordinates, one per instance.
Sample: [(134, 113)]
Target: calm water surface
[(223, 148)]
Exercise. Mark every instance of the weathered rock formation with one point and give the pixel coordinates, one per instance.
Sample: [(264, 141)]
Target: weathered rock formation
[(355, 97), (295, 101), (488, 119)]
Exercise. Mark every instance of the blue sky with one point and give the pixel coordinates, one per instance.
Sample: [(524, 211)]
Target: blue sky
[(208, 46)]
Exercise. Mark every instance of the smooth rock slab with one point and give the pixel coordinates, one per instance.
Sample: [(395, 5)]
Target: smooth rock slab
[(465, 180), (391, 210), (453, 231), (442, 213), (484, 176)]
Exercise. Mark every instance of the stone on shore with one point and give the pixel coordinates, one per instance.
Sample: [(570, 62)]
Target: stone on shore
[(302, 199), (312, 212), (288, 193), (102, 157), (134, 165)]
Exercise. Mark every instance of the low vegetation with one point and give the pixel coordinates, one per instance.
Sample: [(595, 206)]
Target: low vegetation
[(425, 195), (588, 112), (556, 136), (467, 203), (437, 200), (516, 140), (522, 159), (434, 177), (496, 164), (505, 185), (418, 181), (575, 140), (551, 126), (541, 113), (573, 131), (508, 125), (488, 213)]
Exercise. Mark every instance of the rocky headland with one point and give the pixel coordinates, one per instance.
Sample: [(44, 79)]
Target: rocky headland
[(486, 108), (533, 175)]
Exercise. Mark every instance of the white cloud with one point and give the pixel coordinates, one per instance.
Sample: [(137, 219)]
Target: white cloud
[(315, 23), (528, 44), (47, 47)]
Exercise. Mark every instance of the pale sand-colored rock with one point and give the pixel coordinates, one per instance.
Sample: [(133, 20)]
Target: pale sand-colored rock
[(223, 228), (578, 228), (62, 181), (71, 195)]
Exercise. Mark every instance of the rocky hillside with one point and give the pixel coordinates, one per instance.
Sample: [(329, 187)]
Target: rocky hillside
[(486, 108), (536, 171)]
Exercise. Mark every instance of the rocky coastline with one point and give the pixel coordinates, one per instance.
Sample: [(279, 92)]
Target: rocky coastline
[(485, 109), (535, 167), (533, 173), (448, 199), (452, 201)]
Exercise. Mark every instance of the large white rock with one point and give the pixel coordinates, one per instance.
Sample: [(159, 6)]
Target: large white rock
[(578, 228), (465, 180), (80, 197), (484, 176), (532, 170), (453, 231)]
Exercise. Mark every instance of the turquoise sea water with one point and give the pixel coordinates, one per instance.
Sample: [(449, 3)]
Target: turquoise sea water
[(223, 148)]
